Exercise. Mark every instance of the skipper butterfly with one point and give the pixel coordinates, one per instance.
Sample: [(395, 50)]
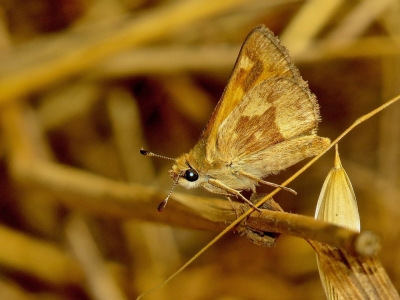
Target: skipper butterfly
[(265, 122)]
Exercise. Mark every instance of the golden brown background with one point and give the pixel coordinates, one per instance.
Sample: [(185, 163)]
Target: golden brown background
[(85, 84)]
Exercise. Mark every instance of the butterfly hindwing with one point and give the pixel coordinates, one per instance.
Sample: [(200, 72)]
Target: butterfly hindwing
[(274, 111)]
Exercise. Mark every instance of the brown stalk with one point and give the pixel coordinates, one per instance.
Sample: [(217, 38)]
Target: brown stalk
[(95, 47), (100, 196)]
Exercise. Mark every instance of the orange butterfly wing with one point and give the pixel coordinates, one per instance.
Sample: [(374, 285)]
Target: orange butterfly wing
[(273, 128), (261, 57)]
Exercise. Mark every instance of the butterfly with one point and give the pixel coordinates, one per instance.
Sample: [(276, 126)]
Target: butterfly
[(265, 122)]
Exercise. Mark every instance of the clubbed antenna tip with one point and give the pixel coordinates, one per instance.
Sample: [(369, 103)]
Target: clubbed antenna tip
[(148, 153), (144, 152)]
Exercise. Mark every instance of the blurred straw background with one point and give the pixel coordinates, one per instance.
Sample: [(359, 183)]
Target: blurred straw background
[(85, 84)]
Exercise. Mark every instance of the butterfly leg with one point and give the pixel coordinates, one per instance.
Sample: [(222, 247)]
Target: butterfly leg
[(233, 206), (267, 182), (231, 191)]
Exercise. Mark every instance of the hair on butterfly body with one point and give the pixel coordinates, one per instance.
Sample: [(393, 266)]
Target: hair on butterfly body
[(265, 122)]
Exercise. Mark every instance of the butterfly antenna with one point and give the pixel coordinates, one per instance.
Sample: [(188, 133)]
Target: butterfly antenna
[(148, 153), (162, 205)]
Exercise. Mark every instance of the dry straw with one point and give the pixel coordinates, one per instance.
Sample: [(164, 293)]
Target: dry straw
[(343, 274)]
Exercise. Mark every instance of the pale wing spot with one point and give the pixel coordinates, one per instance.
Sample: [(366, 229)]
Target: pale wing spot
[(258, 135), (234, 135), (259, 108), (245, 63)]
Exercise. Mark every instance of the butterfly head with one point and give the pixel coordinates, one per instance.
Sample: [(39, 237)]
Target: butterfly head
[(185, 174), (182, 173)]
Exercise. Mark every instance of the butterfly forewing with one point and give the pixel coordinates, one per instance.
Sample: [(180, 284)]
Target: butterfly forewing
[(265, 122), (261, 57)]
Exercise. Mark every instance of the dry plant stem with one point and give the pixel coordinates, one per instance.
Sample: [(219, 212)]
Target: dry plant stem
[(99, 46), (300, 25), (166, 60), (94, 194), (39, 71), (363, 47), (100, 282), (312, 229), (32, 256), (353, 277), (357, 21), (100, 196), (211, 58), (251, 210)]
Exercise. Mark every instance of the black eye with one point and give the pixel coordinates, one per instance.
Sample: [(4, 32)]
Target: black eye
[(191, 175)]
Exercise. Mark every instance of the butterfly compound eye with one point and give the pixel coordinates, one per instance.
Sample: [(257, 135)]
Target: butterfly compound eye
[(191, 175)]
